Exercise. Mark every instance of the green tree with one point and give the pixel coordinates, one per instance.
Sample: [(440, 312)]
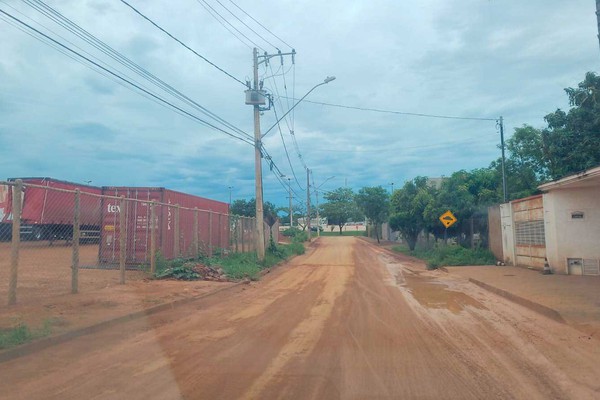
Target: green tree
[(374, 203), (340, 207), (247, 208), (408, 207), (572, 140)]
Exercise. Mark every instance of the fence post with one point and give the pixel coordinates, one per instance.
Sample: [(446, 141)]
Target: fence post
[(122, 240), (76, 235), (16, 241), (176, 233), (242, 231), (220, 229), (195, 237), (152, 237), (210, 230)]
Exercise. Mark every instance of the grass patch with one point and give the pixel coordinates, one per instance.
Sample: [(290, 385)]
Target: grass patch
[(449, 255), (236, 266), (344, 233), (22, 334), (246, 265)]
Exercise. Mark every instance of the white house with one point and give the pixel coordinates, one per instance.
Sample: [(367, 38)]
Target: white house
[(562, 225), (572, 223)]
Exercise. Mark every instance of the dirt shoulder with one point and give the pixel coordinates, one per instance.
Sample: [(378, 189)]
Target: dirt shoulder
[(575, 298)]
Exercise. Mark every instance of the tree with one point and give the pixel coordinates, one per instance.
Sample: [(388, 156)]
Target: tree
[(571, 142), (247, 208), (408, 206), (374, 203), (340, 207), (244, 208)]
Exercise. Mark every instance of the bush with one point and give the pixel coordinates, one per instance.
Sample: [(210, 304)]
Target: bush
[(182, 271), (296, 234), (450, 255)]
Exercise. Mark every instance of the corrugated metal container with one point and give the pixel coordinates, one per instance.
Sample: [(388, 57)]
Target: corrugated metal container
[(138, 229), (45, 207)]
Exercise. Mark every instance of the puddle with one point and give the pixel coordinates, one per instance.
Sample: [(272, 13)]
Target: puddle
[(436, 295)]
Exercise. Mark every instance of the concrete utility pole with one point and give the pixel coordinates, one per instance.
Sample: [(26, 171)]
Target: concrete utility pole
[(308, 202), (290, 197), (501, 123), (260, 232), (318, 220), (256, 96)]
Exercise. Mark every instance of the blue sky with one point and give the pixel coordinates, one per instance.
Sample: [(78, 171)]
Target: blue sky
[(483, 58)]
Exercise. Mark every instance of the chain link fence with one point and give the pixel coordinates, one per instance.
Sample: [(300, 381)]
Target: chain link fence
[(57, 239)]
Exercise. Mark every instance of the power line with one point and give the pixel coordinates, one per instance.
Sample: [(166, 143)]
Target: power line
[(78, 31), (205, 4), (181, 43), (396, 112), (286, 152), (264, 27), (246, 25), (129, 82)]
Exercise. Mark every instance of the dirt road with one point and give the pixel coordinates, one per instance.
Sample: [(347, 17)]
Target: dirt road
[(346, 320)]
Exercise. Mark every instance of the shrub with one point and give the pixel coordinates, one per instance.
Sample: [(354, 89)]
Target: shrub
[(182, 271)]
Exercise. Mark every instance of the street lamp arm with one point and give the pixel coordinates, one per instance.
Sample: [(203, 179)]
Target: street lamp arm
[(326, 81)]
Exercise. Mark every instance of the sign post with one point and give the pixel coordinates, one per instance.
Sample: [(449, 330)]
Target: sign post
[(448, 219)]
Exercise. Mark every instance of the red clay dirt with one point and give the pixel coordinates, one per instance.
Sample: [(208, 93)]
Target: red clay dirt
[(346, 320), (44, 285)]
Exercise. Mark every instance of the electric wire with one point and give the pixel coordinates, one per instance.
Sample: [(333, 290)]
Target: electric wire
[(246, 25), (204, 3), (79, 61), (180, 42), (264, 27), (397, 112), (129, 82), (287, 154), (72, 27)]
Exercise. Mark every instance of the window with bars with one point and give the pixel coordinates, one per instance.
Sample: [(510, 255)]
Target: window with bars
[(530, 233)]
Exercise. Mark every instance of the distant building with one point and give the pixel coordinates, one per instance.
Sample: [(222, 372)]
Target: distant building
[(435, 182)]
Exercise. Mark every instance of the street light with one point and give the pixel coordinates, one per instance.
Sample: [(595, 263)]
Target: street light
[(326, 81), (317, 193), (230, 187)]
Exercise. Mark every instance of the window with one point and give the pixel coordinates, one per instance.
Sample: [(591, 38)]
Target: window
[(530, 233)]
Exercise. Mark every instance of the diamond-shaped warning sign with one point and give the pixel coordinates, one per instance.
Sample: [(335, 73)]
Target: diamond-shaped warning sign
[(448, 219)]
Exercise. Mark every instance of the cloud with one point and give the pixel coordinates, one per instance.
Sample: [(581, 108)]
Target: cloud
[(454, 57)]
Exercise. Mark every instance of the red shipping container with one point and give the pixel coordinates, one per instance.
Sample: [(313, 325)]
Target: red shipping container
[(48, 214), (138, 229)]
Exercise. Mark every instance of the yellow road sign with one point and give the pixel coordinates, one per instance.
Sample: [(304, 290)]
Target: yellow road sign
[(448, 219)]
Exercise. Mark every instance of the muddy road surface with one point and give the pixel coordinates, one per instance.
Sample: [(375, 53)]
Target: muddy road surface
[(347, 320)]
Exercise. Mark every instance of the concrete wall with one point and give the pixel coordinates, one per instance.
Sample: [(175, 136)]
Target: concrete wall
[(567, 237), (495, 232), (508, 235)]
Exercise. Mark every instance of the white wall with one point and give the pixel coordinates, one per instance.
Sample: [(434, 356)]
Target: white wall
[(567, 237), (508, 236)]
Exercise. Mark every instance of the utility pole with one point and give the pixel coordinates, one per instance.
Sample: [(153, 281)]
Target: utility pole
[(256, 96), (290, 197), (598, 17), (260, 233), (308, 202), (501, 123), (318, 220), (230, 187)]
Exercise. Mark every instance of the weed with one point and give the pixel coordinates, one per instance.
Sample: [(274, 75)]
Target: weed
[(449, 255), (21, 333)]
